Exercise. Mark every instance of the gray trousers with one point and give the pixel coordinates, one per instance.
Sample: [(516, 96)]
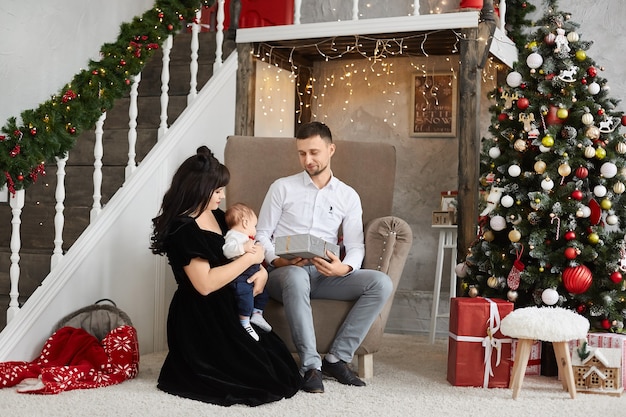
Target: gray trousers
[(295, 286)]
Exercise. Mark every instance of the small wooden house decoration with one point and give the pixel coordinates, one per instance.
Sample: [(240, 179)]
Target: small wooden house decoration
[(598, 370)]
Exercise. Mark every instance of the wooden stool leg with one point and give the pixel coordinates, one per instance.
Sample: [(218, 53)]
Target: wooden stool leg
[(522, 353), (561, 351)]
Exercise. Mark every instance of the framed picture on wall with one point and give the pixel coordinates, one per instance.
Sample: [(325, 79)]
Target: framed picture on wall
[(434, 105)]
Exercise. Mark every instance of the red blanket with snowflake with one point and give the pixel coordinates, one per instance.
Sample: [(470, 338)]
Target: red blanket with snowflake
[(74, 359)]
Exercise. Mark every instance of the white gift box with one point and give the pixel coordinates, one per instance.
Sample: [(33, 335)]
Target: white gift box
[(303, 246)]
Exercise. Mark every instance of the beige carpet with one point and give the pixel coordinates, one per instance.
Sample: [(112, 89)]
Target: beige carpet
[(409, 380)]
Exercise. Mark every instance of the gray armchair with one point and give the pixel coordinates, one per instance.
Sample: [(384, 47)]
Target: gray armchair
[(370, 168)]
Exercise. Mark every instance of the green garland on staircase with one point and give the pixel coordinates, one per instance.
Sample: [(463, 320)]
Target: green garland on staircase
[(50, 130)]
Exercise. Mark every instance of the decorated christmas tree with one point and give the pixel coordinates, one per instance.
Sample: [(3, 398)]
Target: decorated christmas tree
[(552, 220)]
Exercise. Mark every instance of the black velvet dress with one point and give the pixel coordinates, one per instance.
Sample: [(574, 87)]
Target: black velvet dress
[(211, 358)]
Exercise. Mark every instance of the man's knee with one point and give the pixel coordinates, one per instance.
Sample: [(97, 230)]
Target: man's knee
[(293, 279)]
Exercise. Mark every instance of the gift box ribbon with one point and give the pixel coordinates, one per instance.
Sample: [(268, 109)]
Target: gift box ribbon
[(489, 342)]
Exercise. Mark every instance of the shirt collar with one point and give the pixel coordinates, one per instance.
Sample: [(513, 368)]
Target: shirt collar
[(306, 180)]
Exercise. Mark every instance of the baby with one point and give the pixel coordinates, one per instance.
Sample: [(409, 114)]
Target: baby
[(241, 221)]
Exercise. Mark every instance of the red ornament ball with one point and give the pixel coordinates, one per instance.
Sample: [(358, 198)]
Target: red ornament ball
[(570, 235), (523, 103), (577, 194), (570, 253), (600, 112), (624, 120), (502, 117), (577, 279), (583, 81), (592, 71), (606, 324), (616, 277), (20, 177), (581, 308), (581, 172)]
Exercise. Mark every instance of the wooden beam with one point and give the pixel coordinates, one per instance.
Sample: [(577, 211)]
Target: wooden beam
[(469, 139), (245, 91), (486, 29)]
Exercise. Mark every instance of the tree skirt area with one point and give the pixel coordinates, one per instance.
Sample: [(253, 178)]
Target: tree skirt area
[(409, 380)]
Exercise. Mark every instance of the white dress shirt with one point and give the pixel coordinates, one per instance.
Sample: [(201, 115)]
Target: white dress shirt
[(294, 205)]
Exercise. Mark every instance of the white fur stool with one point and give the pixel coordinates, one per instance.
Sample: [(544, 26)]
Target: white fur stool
[(548, 324)]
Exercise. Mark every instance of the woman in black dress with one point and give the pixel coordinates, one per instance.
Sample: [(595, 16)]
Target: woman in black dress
[(211, 358)]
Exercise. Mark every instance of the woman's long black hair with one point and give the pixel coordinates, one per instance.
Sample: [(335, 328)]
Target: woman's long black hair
[(192, 186)]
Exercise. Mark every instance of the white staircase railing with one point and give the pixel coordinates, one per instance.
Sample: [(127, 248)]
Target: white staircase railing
[(17, 201)]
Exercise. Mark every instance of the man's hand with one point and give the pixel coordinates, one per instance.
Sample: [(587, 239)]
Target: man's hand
[(334, 268), (278, 262)]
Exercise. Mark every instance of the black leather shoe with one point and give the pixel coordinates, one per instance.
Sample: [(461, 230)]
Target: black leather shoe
[(313, 381), (341, 372)]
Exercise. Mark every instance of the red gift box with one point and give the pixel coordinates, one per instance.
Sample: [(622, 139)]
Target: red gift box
[(534, 360), (478, 354)]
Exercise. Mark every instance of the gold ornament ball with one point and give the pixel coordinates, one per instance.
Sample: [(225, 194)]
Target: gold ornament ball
[(473, 292), (540, 166), (520, 145), (593, 132), (600, 153), (532, 44), (581, 55), (541, 269), (562, 113), (593, 238), (489, 236), (492, 282), (606, 204), (515, 235), (564, 170)]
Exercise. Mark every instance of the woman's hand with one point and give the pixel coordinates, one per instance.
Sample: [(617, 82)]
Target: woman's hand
[(259, 279)]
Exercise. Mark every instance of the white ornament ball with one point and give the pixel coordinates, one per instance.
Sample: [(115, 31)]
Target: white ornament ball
[(544, 149), (507, 201), (619, 187), (497, 223), (608, 170), (547, 184), (621, 148), (599, 190), (461, 270), (572, 37), (611, 219), (590, 152), (534, 60), (515, 170), (514, 79), (586, 211), (512, 296), (494, 152), (587, 119), (550, 296), (593, 88)]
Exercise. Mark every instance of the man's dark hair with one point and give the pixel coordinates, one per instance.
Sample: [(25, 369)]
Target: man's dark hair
[(311, 129)]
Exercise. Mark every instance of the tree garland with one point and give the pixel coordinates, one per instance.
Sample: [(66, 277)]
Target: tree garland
[(50, 130)]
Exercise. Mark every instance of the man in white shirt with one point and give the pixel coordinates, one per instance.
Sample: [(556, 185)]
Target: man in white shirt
[(317, 203)]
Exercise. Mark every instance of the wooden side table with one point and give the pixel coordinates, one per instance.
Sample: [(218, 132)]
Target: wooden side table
[(447, 240)]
